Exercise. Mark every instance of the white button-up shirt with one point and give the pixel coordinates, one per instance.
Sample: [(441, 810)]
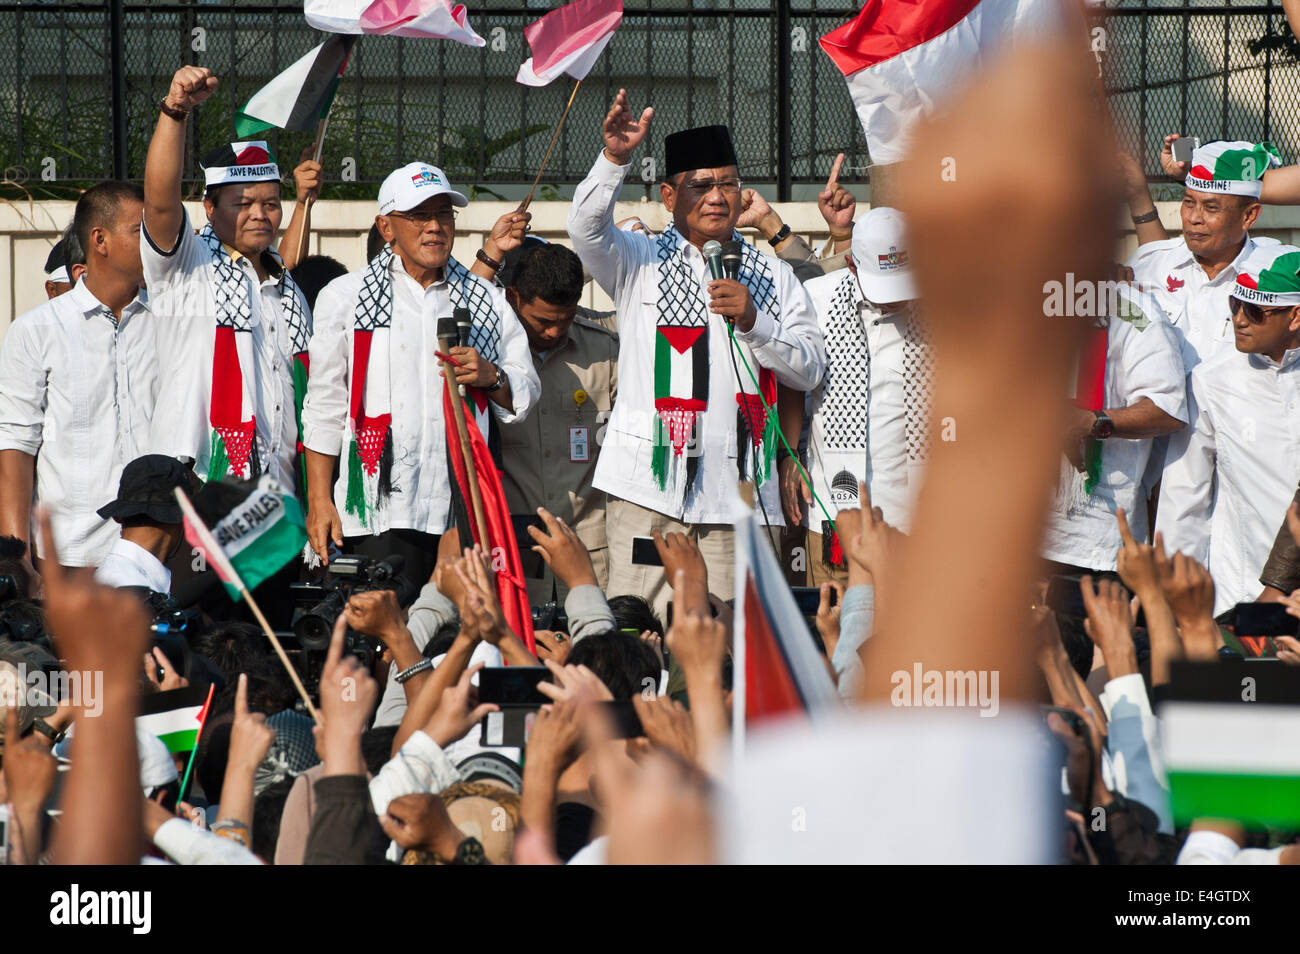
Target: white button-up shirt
[(1197, 306), (78, 389), (183, 292), (1231, 477), (891, 478), (625, 265), (420, 495), (129, 564), (1139, 364)]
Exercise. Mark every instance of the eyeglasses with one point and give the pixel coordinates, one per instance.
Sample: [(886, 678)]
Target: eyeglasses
[(702, 187), (1254, 313), (416, 217)]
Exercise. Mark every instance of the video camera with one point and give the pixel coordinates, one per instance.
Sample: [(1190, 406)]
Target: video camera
[(346, 575)]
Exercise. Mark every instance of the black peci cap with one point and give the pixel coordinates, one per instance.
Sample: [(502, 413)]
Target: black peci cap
[(147, 489), (704, 147)]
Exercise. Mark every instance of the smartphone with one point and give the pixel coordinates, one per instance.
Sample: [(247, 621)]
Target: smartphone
[(1263, 619), (509, 728), (531, 562), (1183, 146), (808, 598), (513, 686), (1065, 597), (645, 553), (627, 724)]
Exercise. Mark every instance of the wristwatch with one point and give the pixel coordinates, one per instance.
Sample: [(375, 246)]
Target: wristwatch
[(1145, 217), (781, 235), (54, 735), (1102, 427), (500, 382)]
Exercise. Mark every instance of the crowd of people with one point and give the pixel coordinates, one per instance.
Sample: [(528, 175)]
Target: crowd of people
[(983, 448)]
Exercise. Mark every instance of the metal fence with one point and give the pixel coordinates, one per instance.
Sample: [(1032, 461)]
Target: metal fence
[(80, 83)]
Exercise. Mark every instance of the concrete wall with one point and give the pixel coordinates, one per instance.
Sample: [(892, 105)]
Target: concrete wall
[(27, 230)]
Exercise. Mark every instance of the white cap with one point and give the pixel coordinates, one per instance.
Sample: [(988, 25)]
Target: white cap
[(414, 183), (880, 253), (157, 767)]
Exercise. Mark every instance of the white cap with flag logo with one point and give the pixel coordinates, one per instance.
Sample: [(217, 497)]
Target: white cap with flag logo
[(413, 184), (880, 253)]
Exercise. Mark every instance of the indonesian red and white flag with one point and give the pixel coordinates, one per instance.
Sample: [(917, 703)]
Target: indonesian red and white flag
[(900, 57), (419, 19), (569, 40)]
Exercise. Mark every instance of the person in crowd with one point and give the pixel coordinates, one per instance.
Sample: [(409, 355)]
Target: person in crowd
[(231, 320), (699, 356), (374, 405), (79, 380), (151, 520)]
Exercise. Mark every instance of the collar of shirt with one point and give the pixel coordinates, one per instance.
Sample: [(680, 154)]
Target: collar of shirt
[(90, 306), (1288, 361), (1228, 274), (129, 564), (271, 261)]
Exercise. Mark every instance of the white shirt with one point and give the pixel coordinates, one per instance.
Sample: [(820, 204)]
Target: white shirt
[(129, 564), (892, 479), (1231, 477), (1139, 364), (420, 495), (1197, 306), (79, 389), (625, 265), (183, 291)]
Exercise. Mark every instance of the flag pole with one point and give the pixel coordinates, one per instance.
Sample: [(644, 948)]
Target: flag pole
[(523, 207), (279, 650), (317, 149), (462, 433), (189, 767)]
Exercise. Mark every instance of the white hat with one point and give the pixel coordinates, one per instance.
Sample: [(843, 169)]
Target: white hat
[(880, 253), (157, 767), (414, 183)]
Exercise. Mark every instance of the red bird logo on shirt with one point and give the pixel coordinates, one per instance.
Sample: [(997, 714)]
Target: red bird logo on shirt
[(1173, 284)]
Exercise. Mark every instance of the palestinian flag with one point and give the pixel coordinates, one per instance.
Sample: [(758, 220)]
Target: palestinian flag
[(1270, 276), (681, 394), (779, 671), (569, 40), (298, 98), (1229, 737), (256, 529), (176, 716), (418, 19), (900, 58), (1231, 168)]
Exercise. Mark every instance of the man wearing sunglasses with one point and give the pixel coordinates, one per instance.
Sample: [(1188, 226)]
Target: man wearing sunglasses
[(699, 356), (375, 393), (1233, 474)]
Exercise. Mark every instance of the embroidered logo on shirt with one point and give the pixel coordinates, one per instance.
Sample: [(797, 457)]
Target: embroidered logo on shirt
[(1173, 284)]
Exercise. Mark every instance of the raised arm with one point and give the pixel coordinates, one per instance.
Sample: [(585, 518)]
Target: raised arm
[(165, 163)]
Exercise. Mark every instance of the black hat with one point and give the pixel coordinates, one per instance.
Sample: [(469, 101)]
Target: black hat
[(56, 258), (705, 147), (147, 489)]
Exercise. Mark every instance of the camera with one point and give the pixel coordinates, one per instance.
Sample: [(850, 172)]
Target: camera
[(346, 575), (549, 616)]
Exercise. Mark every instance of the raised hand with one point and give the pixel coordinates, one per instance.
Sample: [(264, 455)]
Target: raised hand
[(621, 131), (1136, 561), (347, 699), (458, 710), (1110, 624), (574, 684), (680, 552), (308, 176), (668, 725), (563, 552), (1171, 166), (828, 616), (171, 679), (508, 233), (191, 86), (420, 820), (837, 204), (375, 613), (753, 209)]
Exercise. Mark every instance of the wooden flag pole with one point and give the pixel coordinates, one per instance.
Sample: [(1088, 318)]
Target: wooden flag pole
[(523, 207), (317, 149), (279, 650), (462, 433)]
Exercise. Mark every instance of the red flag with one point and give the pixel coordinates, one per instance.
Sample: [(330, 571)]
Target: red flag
[(511, 589), (569, 40)]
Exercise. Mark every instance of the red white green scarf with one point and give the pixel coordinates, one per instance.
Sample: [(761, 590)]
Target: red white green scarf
[(681, 370), (370, 418), (235, 450)]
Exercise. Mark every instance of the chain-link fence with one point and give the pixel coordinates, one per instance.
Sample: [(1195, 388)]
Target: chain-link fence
[(80, 84)]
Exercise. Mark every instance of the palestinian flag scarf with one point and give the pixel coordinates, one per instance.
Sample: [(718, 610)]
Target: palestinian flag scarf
[(681, 370), (1075, 487), (370, 420), (234, 449)]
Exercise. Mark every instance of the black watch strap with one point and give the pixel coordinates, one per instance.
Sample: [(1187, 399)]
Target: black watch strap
[(781, 235), (54, 735), (1146, 217)]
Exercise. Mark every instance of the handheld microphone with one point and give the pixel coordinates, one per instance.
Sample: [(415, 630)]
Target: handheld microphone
[(447, 334), (731, 256), (713, 255), (462, 318)]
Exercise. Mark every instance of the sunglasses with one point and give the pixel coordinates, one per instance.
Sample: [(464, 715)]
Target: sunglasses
[(1254, 313)]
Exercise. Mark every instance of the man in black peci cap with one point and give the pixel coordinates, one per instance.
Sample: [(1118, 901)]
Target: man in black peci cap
[(152, 526), (701, 349)]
